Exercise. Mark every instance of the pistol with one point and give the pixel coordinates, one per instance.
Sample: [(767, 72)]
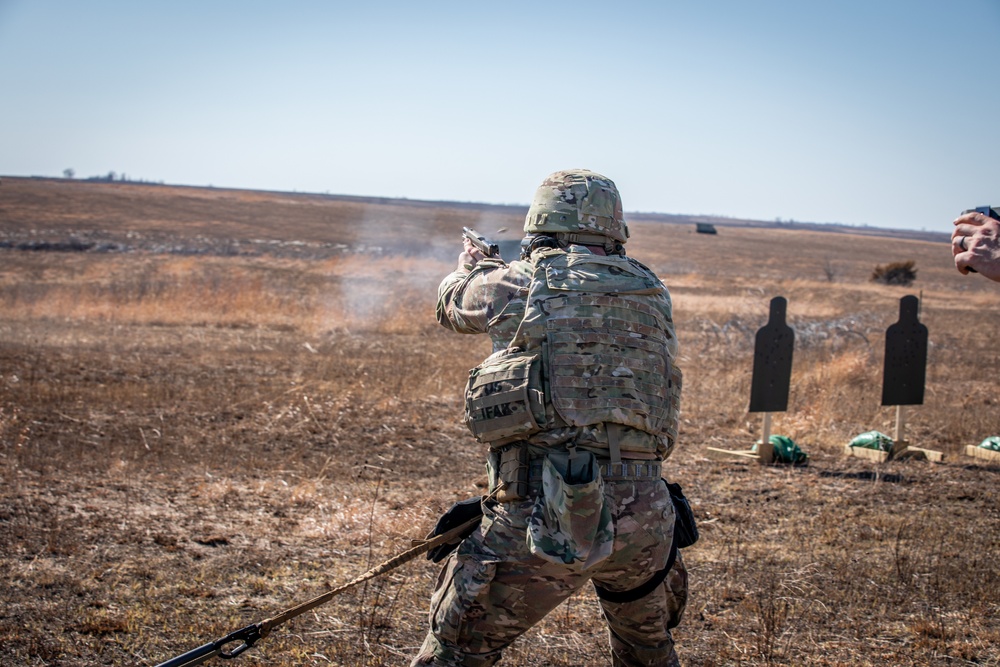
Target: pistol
[(988, 211), (486, 247)]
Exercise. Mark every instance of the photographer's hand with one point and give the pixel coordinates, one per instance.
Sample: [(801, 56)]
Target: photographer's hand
[(975, 245)]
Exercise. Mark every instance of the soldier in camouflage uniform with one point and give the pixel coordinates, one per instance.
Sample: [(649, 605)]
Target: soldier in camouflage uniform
[(578, 405)]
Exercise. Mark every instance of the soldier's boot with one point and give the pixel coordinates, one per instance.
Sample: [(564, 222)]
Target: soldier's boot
[(630, 655), (434, 654)]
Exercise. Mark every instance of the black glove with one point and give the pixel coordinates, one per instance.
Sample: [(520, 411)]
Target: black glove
[(685, 526), (456, 515)]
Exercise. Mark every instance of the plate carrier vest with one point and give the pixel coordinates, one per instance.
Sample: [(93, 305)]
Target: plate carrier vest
[(592, 347)]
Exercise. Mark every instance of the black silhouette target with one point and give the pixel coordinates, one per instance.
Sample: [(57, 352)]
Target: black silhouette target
[(905, 357), (772, 361)]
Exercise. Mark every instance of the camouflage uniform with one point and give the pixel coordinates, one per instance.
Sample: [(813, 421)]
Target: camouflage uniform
[(574, 525)]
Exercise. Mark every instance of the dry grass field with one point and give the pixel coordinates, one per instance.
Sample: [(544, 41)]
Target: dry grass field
[(217, 404)]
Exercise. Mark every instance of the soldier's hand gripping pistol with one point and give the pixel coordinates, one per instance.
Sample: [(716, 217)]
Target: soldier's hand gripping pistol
[(488, 248)]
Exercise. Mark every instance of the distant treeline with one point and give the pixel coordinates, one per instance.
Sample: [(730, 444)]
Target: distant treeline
[(112, 177)]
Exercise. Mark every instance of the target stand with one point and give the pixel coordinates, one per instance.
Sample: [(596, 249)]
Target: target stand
[(982, 453), (772, 374), (901, 450), (903, 376)]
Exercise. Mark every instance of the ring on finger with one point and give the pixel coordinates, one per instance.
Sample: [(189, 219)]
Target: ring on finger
[(961, 244)]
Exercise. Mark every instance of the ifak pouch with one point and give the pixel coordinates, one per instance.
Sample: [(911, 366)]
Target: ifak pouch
[(503, 402)]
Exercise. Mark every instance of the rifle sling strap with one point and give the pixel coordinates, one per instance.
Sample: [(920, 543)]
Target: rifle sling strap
[(391, 564)]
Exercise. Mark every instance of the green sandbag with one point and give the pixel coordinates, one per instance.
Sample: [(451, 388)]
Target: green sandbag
[(873, 440), (785, 450), (992, 443)]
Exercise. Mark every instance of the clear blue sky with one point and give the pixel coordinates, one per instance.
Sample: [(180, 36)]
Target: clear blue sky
[(879, 112)]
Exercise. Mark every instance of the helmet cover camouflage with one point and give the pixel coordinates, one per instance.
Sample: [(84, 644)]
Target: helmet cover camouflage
[(577, 201)]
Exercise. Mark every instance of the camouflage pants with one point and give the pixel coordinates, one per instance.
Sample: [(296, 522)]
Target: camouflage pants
[(493, 589)]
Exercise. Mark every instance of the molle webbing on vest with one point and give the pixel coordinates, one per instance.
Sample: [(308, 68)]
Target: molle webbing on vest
[(670, 426), (607, 360)]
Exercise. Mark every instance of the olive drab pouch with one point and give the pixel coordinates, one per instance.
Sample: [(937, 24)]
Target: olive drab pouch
[(507, 468), (503, 398), (570, 523)]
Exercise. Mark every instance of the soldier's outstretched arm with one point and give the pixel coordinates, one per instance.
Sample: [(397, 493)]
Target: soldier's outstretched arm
[(468, 296)]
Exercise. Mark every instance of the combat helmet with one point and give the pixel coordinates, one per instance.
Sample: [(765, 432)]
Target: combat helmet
[(578, 205)]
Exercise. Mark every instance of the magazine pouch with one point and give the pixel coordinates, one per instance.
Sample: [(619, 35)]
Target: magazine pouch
[(570, 523)]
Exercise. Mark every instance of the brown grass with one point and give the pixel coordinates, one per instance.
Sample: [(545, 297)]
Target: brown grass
[(193, 441)]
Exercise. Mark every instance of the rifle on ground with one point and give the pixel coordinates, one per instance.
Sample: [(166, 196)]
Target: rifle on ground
[(488, 248), (251, 634)]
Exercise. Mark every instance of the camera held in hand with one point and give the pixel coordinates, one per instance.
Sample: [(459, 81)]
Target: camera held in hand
[(988, 211)]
